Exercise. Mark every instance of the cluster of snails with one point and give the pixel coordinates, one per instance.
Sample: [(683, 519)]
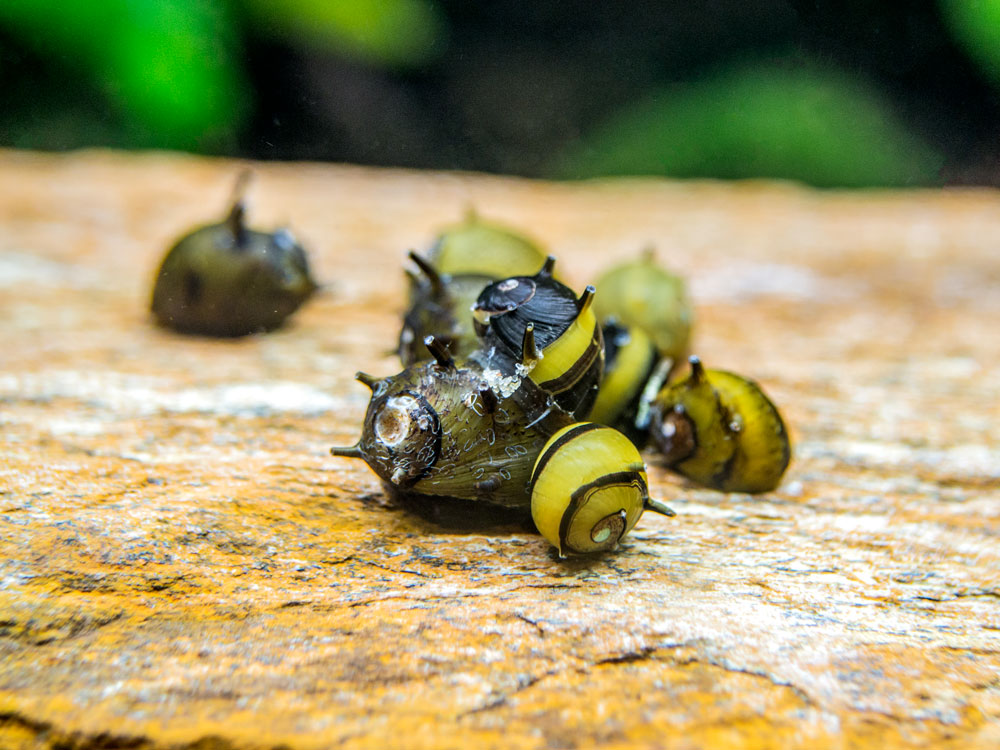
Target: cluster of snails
[(516, 391), (519, 393)]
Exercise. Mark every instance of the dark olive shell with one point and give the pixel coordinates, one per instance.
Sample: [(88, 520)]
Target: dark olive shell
[(458, 432), (440, 306), (227, 280)]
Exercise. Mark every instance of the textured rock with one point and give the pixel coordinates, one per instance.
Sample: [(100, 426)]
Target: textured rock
[(182, 564)]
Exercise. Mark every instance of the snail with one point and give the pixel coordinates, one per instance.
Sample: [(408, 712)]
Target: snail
[(641, 294), (630, 360), (589, 488), (443, 430), (463, 260), (536, 326), (440, 306), (483, 248), (228, 280), (720, 430)]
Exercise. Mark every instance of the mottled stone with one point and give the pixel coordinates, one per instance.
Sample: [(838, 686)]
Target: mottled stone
[(183, 564)]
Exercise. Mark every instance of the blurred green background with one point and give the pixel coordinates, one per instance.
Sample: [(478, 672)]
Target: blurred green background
[(840, 93)]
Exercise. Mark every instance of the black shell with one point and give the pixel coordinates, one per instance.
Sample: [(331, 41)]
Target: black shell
[(525, 319)]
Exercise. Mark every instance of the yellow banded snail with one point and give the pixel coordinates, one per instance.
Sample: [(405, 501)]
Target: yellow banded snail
[(630, 359), (642, 294), (437, 429), (588, 489), (228, 280), (720, 430), (536, 326)]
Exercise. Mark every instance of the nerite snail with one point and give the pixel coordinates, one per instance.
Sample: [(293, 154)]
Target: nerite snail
[(537, 327), (440, 429), (720, 430), (630, 360), (645, 295), (463, 260), (228, 280), (589, 488)]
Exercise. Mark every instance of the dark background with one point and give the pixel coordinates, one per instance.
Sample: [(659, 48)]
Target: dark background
[(846, 93)]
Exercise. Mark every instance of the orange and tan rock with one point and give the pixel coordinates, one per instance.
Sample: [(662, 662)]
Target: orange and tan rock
[(182, 564)]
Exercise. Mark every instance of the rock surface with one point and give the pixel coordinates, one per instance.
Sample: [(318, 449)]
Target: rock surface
[(184, 565)]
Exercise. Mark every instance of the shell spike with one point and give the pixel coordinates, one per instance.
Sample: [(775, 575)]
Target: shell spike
[(529, 350), (586, 300), (657, 507), (437, 283), (697, 370), (235, 220), (348, 451), (547, 267), (439, 350), (370, 380)]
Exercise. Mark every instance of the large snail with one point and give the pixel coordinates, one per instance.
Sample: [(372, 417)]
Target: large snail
[(720, 430), (228, 280), (440, 429)]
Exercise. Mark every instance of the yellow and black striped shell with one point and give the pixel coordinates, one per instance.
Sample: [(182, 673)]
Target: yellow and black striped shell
[(588, 489), (536, 326), (440, 430), (630, 359), (227, 280), (719, 429), (642, 294)]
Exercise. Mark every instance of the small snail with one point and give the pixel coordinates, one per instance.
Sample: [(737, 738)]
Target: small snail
[(630, 359), (536, 326), (482, 248), (644, 295), (440, 306), (588, 489), (227, 280), (720, 430), (437, 429)]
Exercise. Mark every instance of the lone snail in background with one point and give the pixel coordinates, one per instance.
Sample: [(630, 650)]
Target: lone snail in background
[(228, 280), (589, 488), (537, 327), (463, 260), (720, 430)]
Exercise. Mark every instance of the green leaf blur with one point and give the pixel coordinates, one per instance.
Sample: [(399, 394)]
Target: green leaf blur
[(975, 24), (167, 67), (802, 123), (394, 33)]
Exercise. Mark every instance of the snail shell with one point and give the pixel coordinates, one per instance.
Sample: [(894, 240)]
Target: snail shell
[(537, 325), (228, 280), (437, 429), (589, 488), (719, 429)]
